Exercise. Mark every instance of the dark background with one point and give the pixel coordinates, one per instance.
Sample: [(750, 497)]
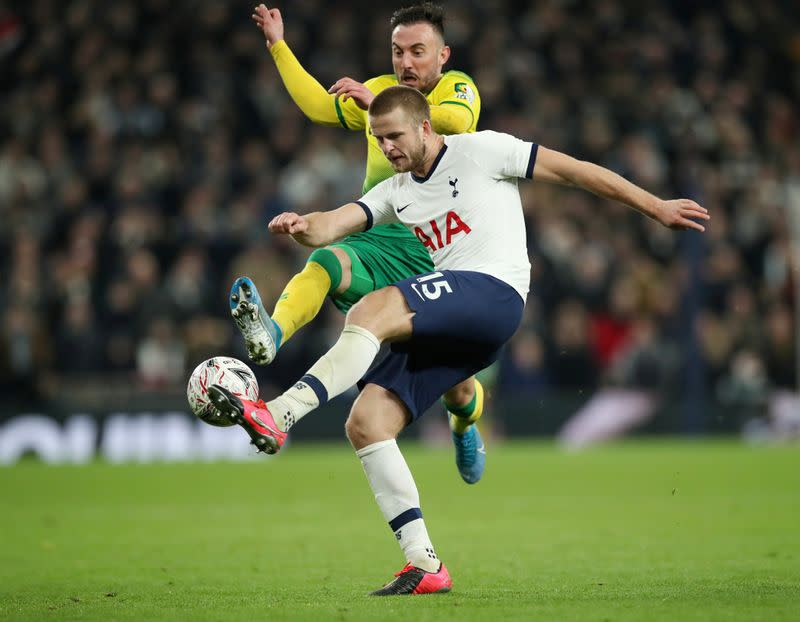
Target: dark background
[(144, 145)]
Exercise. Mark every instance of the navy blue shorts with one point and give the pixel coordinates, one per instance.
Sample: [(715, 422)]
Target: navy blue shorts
[(462, 320)]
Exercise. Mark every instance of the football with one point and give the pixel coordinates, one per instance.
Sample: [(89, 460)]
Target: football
[(225, 371)]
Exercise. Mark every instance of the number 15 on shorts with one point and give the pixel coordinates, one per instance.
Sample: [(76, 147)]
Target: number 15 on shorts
[(429, 289)]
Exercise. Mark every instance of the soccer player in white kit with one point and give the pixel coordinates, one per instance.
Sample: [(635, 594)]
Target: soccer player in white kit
[(458, 194)]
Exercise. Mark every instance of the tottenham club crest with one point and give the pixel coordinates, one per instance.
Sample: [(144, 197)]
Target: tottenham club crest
[(453, 183)]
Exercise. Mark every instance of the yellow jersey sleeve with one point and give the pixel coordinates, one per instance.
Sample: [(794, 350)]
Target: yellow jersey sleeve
[(309, 95), (351, 115), (455, 104)]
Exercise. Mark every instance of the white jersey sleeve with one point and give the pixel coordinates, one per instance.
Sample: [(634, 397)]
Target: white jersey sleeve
[(500, 155), (379, 205)]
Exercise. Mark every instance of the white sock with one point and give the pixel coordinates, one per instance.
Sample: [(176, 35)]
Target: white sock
[(398, 499), (335, 372)]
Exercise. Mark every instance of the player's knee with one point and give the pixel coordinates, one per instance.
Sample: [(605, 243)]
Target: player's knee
[(332, 263), (344, 259), (362, 309), (461, 394), (377, 415), (359, 429)]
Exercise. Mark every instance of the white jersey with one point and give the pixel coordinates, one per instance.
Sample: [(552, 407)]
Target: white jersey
[(467, 211)]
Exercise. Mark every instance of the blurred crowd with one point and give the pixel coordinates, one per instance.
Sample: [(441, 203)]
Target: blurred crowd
[(145, 144)]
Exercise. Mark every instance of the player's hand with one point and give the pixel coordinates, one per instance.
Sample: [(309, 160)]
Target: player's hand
[(288, 222), (270, 22), (346, 88), (681, 214)]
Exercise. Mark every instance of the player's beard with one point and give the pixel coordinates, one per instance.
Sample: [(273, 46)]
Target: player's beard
[(417, 82), (424, 83), (417, 157)]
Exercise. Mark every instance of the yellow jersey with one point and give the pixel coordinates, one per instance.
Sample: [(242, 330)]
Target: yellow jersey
[(455, 106), (453, 89)]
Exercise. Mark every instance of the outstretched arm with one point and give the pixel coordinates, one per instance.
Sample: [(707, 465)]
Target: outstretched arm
[(309, 95), (321, 228), (559, 168)]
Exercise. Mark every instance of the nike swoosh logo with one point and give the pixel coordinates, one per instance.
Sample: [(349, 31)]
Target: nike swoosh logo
[(482, 449), (400, 209), (264, 425)]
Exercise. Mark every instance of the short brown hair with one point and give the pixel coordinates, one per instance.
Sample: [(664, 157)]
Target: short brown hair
[(410, 100), (426, 12)]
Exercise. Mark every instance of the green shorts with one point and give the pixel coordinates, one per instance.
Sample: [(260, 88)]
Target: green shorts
[(381, 256)]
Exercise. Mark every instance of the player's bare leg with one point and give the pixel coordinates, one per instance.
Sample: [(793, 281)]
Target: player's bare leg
[(345, 265)]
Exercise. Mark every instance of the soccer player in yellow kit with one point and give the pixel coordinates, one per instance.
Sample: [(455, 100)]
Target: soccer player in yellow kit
[(367, 261)]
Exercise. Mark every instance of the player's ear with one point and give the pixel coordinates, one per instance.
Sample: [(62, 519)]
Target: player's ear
[(444, 54)]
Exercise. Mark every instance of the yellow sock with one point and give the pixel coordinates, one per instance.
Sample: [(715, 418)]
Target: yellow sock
[(467, 415), (301, 299)]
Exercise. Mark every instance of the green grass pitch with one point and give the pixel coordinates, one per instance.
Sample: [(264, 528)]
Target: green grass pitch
[(643, 530)]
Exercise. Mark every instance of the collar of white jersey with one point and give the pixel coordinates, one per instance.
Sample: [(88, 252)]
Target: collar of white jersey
[(422, 180)]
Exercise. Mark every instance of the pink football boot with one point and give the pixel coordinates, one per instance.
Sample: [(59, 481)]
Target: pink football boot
[(254, 417), (413, 580)]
